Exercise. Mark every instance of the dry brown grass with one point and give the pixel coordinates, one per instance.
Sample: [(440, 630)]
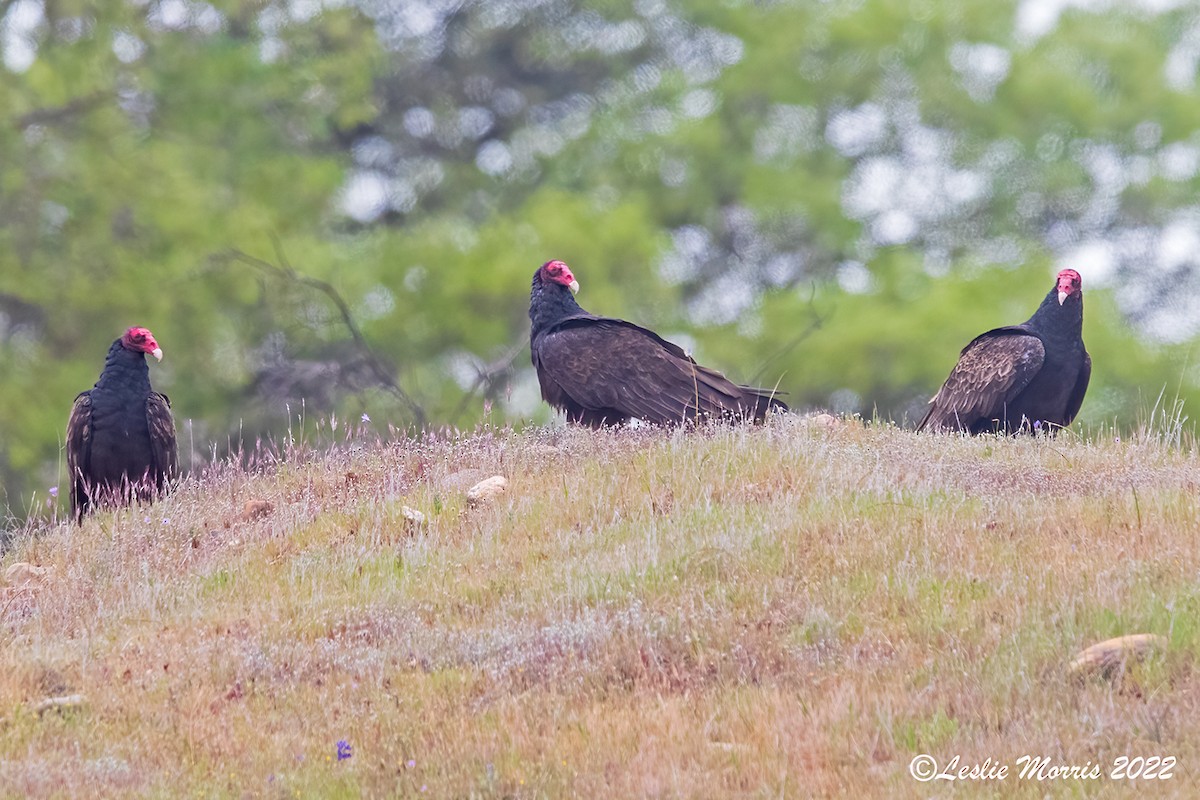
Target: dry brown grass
[(788, 611)]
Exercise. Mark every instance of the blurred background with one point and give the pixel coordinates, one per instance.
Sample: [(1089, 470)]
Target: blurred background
[(331, 209)]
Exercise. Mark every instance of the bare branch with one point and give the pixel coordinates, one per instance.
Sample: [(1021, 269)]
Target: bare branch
[(54, 114), (487, 376), (813, 326), (284, 271), (5, 5)]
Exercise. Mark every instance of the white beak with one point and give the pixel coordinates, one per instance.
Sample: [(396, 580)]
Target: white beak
[(1062, 298), (157, 353), (574, 287)]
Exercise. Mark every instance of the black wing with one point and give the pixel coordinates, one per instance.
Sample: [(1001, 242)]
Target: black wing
[(607, 370), (1081, 385), (991, 371), (163, 449), (79, 452)]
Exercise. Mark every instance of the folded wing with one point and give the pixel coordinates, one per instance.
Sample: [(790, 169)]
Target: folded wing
[(79, 450), (606, 370), (991, 371), (163, 448)]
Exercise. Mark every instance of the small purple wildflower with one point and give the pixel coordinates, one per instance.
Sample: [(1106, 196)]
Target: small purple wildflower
[(1037, 425), (54, 491), (411, 763), (343, 750), (365, 418)]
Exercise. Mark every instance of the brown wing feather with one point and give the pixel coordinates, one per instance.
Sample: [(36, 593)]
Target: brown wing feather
[(990, 372), (79, 451), (615, 366), (163, 447), (1081, 385)]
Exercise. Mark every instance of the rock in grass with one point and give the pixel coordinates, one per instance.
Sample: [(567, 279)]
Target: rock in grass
[(1111, 655), (462, 480), (487, 490), (59, 703), (256, 509), (22, 573)]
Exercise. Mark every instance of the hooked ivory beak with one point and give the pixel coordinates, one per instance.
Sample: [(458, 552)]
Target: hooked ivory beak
[(574, 287), (1062, 297), (157, 352)]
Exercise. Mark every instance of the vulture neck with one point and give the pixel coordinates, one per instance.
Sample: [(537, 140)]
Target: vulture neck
[(124, 369), (550, 303), (1065, 321)]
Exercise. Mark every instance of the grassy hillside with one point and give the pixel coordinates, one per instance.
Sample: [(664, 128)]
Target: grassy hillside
[(786, 611)]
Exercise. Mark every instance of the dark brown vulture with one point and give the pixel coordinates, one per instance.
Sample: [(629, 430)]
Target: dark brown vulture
[(121, 436), (1023, 377), (605, 371)]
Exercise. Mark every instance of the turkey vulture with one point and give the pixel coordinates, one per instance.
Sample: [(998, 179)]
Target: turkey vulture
[(121, 436), (605, 371), (1022, 377)]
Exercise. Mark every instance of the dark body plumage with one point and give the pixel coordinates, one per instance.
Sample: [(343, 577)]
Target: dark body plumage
[(1020, 377), (120, 435), (605, 371)]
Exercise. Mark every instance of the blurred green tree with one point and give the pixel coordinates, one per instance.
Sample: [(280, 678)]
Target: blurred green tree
[(338, 207)]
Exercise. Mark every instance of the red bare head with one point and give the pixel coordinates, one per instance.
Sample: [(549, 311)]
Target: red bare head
[(140, 340), (1069, 283), (559, 272)]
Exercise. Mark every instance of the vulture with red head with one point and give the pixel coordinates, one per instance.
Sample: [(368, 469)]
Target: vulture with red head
[(605, 371), (1025, 377), (121, 436)]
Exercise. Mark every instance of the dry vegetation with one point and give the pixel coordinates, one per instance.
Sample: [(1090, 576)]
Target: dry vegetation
[(787, 611)]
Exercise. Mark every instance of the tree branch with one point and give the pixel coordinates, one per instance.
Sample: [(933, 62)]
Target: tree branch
[(53, 114), (284, 271), (812, 327), (5, 5), (487, 376)]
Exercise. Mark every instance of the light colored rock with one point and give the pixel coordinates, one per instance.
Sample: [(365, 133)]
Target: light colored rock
[(487, 490), (59, 703), (1112, 654), (256, 509), (824, 421), (22, 573), (463, 479), (413, 517)]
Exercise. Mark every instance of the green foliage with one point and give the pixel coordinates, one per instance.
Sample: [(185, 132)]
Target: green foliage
[(833, 198)]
